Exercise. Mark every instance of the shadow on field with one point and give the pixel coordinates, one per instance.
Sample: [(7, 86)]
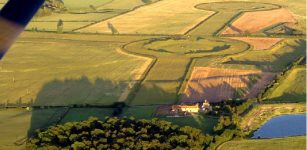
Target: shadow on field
[(153, 92), (61, 101), (59, 98), (280, 60), (289, 98), (79, 91), (212, 93)]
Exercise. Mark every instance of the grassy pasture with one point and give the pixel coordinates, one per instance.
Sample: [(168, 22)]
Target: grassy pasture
[(164, 79), (297, 143), (201, 121), (17, 123), (293, 88), (80, 114), (53, 71), (274, 60)]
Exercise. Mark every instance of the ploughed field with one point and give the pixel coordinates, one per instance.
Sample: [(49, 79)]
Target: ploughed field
[(259, 43), (253, 22), (217, 84)]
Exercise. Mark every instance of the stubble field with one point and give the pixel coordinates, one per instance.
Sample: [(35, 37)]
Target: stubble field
[(216, 85)]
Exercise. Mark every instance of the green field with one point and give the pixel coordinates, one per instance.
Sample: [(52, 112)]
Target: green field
[(201, 121), (16, 124), (54, 71), (80, 114), (292, 88), (274, 60), (163, 81), (297, 143)]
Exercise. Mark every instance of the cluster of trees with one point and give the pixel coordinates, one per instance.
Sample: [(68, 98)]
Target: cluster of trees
[(116, 133), (51, 6), (227, 129)]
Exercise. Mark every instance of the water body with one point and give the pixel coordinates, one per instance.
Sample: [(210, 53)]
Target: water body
[(283, 126)]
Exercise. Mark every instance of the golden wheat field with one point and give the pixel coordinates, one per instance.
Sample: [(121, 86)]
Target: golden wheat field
[(164, 17)]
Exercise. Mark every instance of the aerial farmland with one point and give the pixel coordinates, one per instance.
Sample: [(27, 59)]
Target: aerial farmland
[(235, 59)]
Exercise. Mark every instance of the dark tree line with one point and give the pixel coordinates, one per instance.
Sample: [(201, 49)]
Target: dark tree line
[(119, 133)]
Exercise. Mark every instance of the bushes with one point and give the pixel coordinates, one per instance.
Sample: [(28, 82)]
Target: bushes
[(115, 133)]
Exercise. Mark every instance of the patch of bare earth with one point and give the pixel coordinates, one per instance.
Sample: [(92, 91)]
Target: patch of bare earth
[(217, 84), (259, 43), (253, 22)]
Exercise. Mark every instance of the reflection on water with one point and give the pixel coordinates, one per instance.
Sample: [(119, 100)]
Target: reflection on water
[(283, 126)]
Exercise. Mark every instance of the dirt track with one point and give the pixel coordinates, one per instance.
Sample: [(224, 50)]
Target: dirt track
[(136, 74)]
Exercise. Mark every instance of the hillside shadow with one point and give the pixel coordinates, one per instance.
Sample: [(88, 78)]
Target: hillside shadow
[(280, 61), (289, 98)]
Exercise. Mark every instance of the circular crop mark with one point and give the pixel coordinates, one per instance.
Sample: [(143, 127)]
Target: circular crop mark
[(187, 46), (236, 6), (190, 47)]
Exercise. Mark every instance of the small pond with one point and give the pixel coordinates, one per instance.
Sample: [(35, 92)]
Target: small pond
[(283, 126)]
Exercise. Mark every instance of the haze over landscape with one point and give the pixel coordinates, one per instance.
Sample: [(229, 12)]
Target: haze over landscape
[(157, 74)]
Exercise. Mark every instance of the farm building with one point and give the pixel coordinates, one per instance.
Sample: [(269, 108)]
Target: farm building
[(204, 106)]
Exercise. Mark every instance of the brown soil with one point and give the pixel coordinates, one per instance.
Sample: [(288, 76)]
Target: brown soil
[(253, 22), (217, 84), (259, 43)]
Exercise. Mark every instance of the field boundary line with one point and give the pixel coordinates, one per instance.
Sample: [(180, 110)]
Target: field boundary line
[(240, 14), (233, 18), (122, 13), (200, 23), (123, 97), (138, 85)]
